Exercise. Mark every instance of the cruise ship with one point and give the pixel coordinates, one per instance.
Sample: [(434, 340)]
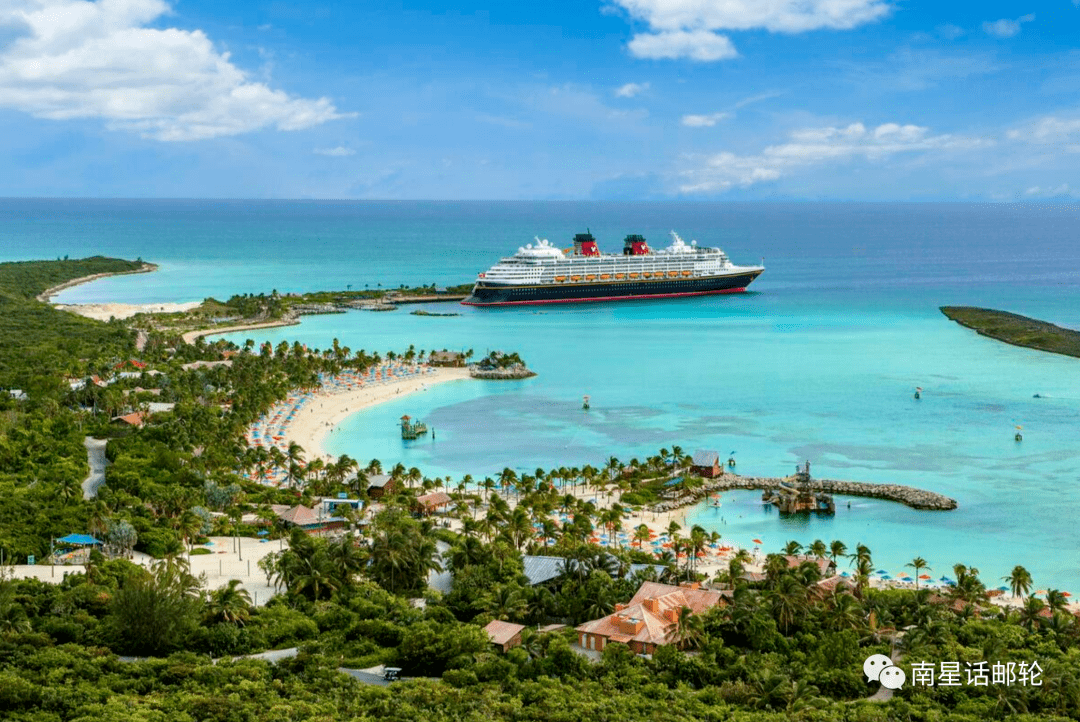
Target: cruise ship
[(543, 273)]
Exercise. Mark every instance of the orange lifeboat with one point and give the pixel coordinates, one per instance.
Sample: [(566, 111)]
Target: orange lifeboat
[(560, 279), (672, 274), (605, 276), (575, 278), (685, 273), (620, 276), (647, 274), (633, 275), (590, 277)]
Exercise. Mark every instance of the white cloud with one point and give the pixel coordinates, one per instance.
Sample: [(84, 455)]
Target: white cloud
[(1062, 133), (631, 89), (338, 152), (687, 28), (79, 59), (1006, 28), (701, 45), (815, 146), (704, 121)]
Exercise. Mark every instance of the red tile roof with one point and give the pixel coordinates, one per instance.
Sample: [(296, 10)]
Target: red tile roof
[(434, 499), (300, 515), (502, 632), (135, 419), (649, 617)]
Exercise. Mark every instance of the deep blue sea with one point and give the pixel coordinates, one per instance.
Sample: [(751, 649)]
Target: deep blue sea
[(818, 363)]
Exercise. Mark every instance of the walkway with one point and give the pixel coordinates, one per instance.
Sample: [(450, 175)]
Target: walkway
[(95, 456)]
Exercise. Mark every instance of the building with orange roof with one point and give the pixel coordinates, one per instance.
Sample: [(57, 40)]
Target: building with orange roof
[(136, 419), (504, 635), (431, 503), (648, 620)]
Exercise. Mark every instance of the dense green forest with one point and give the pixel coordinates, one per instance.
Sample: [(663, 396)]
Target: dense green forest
[(40, 345), (781, 647)]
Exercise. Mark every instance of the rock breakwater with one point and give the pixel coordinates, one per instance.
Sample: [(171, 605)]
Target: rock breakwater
[(908, 495)]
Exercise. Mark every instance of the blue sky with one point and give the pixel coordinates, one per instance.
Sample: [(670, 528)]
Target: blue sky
[(628, 99)]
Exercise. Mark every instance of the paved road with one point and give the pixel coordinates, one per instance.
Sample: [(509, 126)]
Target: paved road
[(95, 456), (365, 677)]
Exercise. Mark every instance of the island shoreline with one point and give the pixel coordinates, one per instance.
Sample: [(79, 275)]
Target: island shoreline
[(46, 295)]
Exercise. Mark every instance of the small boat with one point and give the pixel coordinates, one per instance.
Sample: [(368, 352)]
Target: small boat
[(590, 277), (620, 276), (672, 274), (575, 278), (646, 275), (560, 279), (685, 273), (633, 275), (605, 276)]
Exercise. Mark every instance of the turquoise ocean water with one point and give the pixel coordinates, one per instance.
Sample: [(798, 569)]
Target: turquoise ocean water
[(820, 362)]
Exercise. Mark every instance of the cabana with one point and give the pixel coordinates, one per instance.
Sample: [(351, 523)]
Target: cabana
[(75, 548)]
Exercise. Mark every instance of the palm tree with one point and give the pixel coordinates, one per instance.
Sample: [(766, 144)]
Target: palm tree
[(189, 524), (845, 613), (294, 455), (1019, 581), (1031, 611), (918, 564), (1056, 600), (837, 549), (230, 604), (792, 548), (788, 601), (688, 629), (818, 549)]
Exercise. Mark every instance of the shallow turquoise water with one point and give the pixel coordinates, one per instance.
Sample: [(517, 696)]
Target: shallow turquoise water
[(819, 363)]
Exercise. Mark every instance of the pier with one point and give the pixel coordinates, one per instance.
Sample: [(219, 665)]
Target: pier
[(907, 495)]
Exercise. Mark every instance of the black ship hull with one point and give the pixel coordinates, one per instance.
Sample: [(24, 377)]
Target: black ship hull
[(495, 294)]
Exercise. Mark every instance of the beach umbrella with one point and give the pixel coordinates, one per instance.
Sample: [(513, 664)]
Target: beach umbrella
[(758, 541), (885, 576), (1003, 589), (843, 574), (1040, 591), (925, 576), (881, 571), (263, 532), (1065, 594)]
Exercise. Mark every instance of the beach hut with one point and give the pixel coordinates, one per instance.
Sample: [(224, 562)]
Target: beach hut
[(706, 463)]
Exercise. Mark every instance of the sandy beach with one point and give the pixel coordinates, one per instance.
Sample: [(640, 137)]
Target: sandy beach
[(307, 417), (191, 336), (327, 409), (105, 311)]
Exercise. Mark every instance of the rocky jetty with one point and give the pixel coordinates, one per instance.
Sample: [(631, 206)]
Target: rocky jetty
[(915, 498), (509, 373)]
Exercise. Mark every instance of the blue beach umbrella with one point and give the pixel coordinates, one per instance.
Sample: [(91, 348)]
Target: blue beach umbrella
[(1003, 589), (881, 571), (263, 532)]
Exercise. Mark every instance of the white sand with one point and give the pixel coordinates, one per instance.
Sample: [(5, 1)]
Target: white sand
[(105, 311), (326, 410), (220, 566)]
